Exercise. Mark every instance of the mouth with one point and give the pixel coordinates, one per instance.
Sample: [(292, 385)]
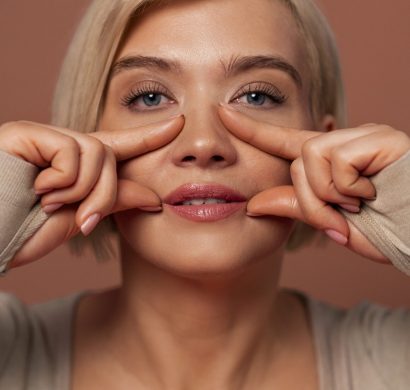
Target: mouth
[(205, 202)]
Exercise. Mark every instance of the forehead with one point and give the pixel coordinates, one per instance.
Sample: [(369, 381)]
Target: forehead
[(204, 32)]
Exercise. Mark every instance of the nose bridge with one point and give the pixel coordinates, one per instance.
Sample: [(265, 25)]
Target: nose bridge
[(204, 141)]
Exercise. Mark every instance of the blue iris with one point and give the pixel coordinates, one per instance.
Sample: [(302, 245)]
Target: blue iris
[(255, 98), (152, 99)]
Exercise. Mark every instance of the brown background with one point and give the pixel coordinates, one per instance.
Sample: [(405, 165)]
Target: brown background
[(373, 37)]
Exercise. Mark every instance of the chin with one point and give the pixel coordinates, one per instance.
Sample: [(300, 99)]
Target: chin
[(202, 250)]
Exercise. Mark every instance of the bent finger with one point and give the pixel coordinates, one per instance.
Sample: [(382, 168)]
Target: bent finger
[(352, 164), (91, 161), (317, 213), (318, 172), (101, 199)]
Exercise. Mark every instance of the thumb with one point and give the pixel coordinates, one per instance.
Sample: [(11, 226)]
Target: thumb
[(131, 195), (280, 201)]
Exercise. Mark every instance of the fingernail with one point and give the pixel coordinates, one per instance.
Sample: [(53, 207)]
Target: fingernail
[(336, 236), (50, 208), (88, 226), (351, 208), (40, 192), (150, 208)]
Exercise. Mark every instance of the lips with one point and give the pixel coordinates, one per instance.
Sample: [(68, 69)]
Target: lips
[(204, 202)]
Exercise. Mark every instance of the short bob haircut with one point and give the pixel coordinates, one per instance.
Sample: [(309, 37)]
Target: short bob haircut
[(80, 92)]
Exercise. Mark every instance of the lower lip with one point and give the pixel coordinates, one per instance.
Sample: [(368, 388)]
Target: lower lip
[(207, 212)]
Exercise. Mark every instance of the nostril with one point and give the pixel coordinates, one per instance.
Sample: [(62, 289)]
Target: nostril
[(188, 159), (217, 158)]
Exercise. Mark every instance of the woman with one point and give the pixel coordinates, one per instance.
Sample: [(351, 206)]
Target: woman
[(213, 133)]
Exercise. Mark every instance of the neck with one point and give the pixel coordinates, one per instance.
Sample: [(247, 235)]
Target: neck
[(211, 332)]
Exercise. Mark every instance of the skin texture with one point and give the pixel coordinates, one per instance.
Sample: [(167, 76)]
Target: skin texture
[(199, 307), (221, 276)]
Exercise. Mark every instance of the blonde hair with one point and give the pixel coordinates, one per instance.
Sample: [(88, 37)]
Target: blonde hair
[(80, 91)]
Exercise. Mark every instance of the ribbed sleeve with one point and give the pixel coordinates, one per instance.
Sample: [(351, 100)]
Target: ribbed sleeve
[(386, 220), (20, 211)]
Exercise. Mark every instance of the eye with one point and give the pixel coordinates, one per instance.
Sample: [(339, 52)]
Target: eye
[(147, 96), (259, 94)]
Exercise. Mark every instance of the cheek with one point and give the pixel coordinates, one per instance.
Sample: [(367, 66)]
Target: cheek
[(204, 248), (265, 171), (144, 169), (259, 169)]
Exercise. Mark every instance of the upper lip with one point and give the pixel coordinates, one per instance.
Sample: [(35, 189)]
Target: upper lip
[(191, 191)]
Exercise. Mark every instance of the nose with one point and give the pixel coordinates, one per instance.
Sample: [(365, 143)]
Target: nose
[(203, 142)]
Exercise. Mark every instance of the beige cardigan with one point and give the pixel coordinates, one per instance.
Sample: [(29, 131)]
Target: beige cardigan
[(365, 347)]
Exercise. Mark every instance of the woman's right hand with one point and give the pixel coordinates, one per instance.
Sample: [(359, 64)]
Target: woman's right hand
[(79, 173)]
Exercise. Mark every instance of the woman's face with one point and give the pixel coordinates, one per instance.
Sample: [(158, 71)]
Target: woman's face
[(189, 57)]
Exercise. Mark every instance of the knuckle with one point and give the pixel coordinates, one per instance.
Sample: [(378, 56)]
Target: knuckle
[(8, 125), (81, 191), (370, 125), (379, 127), (71, 143), (348, 186), (13, 126), (402, 137), (386, 129), (341, 156), (310, 148), (95, 145)]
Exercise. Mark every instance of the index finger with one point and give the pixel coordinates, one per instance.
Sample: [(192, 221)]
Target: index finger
[(280, 141), (132, 142)]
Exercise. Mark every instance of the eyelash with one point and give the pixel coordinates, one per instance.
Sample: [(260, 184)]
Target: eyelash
[(271, 91), (145, 89)]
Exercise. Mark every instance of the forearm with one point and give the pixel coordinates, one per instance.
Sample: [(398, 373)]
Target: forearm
[(20, 212), (385, 221)]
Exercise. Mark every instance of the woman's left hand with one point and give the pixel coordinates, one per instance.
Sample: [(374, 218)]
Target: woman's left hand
[(328, 169)]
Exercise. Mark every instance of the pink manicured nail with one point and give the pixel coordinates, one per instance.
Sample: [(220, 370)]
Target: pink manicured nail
[(336, 236), (351, 208), (88, 226), (50, 208)]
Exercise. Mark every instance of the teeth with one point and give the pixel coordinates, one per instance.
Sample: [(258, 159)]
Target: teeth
[(198, 202)]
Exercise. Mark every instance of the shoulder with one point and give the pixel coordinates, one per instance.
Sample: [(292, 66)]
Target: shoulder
[(14, 320), (368, 343), (34, 341)]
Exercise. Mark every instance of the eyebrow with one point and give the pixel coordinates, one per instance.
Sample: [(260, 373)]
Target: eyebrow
[(242, 64), (138, 61), (237, 64)]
